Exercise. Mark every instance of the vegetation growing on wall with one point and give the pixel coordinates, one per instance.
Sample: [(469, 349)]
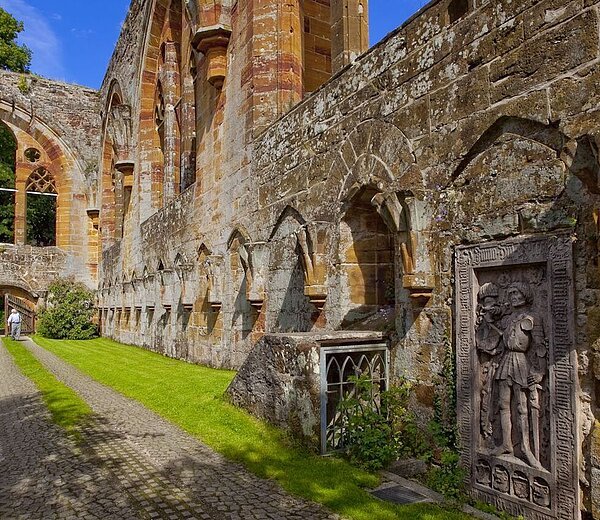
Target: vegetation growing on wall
[(381, 428), (70, 312)]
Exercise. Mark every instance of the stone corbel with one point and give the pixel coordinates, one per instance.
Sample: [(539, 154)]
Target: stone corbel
[(94, 216), (403, 216), (212, 41), (125, 168), (213, 266), (313, 242)]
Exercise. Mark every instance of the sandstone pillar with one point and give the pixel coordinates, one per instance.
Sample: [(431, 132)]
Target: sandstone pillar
[(277, 58), (169, 76), (20, 206), (349, 31)]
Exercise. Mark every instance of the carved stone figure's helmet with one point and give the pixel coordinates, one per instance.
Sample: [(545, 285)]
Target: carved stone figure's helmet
[(488, 290), (525, 289)]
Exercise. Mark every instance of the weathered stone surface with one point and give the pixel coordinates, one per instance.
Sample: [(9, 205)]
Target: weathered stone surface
[(230, 215)]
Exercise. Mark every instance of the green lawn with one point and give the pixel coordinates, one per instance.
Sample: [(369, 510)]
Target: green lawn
[(192, 397), (66, 407)]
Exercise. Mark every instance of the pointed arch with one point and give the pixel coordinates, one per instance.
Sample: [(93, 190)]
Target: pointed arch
[(546, 134)]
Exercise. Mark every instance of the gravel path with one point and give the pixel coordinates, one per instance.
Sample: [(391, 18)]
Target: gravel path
[(133, 460)]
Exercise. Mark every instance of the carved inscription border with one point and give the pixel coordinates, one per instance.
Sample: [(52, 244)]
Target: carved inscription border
[(516, 374)]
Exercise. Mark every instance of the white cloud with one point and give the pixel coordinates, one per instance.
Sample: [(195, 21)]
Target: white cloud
[(39, 37)]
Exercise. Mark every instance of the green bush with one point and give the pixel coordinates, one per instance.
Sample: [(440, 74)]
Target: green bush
[(69, 313), (448, 477), (379, 426)]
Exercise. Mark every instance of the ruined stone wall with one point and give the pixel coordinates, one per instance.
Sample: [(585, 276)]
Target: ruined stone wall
[(482, 129), (61, 122), (461, 128), (72, 111)]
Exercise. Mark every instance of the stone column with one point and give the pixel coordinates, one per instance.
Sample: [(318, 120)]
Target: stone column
[(349, 31), (169, 78), (277, 59), (22, 174)]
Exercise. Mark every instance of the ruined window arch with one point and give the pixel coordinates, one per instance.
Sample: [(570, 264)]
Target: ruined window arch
[(41, 208), (117, 166), (366, 259)]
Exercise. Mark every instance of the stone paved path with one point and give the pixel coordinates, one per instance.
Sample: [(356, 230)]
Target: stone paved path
[(133, 463)]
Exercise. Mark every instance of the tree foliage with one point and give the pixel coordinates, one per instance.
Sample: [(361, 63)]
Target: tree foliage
[(70, 312), (8, 147), (16, 58), (41, 220), (13, 56)]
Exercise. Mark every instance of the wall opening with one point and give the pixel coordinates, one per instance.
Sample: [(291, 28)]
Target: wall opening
[(41, 209), (366, 255), (8, 151), (457, 9), (316, 17), (338, 366)]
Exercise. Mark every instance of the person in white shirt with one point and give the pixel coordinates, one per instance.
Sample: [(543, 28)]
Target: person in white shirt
[(14, 324)]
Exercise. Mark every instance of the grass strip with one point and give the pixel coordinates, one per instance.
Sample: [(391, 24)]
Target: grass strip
[(66, 408), (192, 397)]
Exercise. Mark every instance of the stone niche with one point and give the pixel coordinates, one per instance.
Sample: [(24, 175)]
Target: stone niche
[(517, 375), (296, 381)]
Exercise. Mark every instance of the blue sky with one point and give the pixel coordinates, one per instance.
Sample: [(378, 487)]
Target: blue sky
[(72, 40)]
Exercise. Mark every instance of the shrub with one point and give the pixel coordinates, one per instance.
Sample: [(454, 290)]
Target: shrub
[(69, 313), (379, 426), (447, 477)]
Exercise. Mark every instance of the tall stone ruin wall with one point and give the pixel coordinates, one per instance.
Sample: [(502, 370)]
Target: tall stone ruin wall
[(62, 122), (454, 134)]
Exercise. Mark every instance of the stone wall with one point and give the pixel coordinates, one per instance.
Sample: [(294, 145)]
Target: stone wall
[(461, 128), (60, 122)]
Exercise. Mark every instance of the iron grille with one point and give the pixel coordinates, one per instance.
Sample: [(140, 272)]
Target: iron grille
[(338, 364)]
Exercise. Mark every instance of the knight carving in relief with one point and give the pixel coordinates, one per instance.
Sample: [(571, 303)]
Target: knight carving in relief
[(512, 351)]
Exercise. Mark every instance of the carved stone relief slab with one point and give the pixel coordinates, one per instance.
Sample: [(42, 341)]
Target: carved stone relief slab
[(517, 373)]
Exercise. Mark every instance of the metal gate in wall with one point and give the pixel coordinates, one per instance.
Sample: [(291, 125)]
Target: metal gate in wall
[(338, 364)]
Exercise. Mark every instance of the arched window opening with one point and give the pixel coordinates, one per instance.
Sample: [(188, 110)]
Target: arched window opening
[(366, 254), (316, 18), (41, 209), (457, 9), (8, 152)]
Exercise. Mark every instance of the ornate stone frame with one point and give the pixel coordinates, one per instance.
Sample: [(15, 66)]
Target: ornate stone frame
[(555, 252)]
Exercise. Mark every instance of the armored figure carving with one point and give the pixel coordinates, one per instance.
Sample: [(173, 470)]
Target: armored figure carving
[(519, 375), (488, 339)]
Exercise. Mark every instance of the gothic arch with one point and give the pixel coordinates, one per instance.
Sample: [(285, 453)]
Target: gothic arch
[(57, 159), (374, 153), (64, 162), (547, 135)]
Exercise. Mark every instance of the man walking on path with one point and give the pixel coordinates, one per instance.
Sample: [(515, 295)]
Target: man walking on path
[(14, 324)]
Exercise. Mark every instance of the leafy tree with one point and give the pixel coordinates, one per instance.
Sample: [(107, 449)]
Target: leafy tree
[(70, 312), (41, 220), (13, 56), (16, 58)]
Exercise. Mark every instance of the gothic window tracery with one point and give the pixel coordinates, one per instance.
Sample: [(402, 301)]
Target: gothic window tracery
[(41, 181)]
